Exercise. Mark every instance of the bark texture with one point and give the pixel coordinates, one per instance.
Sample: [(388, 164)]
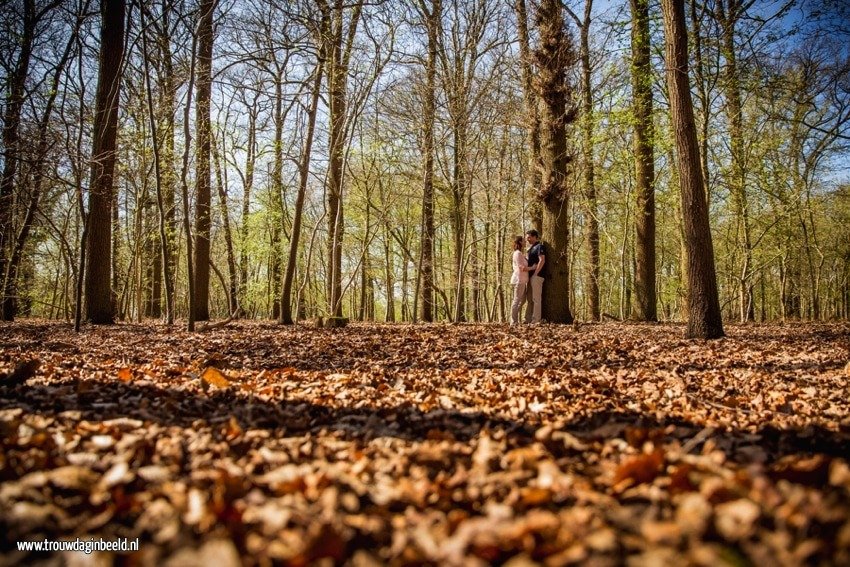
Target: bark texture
[(554, 56), (645, 305), (704, 319), (100, 307)]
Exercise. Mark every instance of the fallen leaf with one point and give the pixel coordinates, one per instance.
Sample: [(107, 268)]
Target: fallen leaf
[(22, 372), (640, 469), (735, 520), (72, 477), (811, 470), (214, 376)]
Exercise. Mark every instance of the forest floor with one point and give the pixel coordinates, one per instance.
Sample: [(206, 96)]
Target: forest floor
[(600, 444)]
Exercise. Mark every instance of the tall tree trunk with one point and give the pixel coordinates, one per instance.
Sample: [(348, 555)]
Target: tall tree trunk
[(11, 153), (277, 194), (163, 174), (474, 261), (202, 160), (341, 44), (458, 218), (591, 207), (117, 305), (100, 308), (532, 115), (704, 319), (432, 20), (645, 305), (727, 16), (365, 276), (389, 271), (232, 273), (168, 209), (247, 189), (303, 173), (698, 9), (184, 188), (587, 123), (555, 55)]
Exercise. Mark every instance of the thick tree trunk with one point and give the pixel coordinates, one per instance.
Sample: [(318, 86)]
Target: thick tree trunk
[(645, 305), (100, 308), (202, 161), (704, 319), (555, 56)]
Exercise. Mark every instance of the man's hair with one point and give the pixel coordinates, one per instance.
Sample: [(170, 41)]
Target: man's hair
[(533, 233)]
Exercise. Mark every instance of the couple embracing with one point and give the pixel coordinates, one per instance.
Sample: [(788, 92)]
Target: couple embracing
[(527, 278)]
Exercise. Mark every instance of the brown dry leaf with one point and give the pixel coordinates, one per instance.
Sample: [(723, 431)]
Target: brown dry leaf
[(812, 470), (736, 520), (214, 376), (693, 514), (640, 469), (72, 478), (433, 443), (125, 374), (534, 496), (232, 429), (665, 533), (22, 372)]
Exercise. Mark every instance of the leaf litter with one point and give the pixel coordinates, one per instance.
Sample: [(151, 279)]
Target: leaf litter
[(433, 444)]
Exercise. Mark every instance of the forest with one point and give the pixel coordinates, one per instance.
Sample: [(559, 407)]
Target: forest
[(256, 260), (291, 160)]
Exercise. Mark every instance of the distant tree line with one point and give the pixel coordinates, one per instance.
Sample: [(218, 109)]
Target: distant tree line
[(188, 159)]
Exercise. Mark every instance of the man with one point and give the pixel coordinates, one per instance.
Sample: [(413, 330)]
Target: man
[(536, 262)]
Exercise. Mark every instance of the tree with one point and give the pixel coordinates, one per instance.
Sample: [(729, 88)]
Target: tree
[(18, 241), (431, 19), (588, 170), (644, 133), (554, 56), (168, 95), (163, 175), (16, 84), (11, 122), (340, 42), (100, 308), (728, 12), (202, 160), (532, 118), (303, 173), (704, 320)]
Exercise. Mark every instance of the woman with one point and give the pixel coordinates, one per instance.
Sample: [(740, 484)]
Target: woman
[(519, 277)]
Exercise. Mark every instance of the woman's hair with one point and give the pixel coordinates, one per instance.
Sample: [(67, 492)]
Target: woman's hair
[(519, 242)]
